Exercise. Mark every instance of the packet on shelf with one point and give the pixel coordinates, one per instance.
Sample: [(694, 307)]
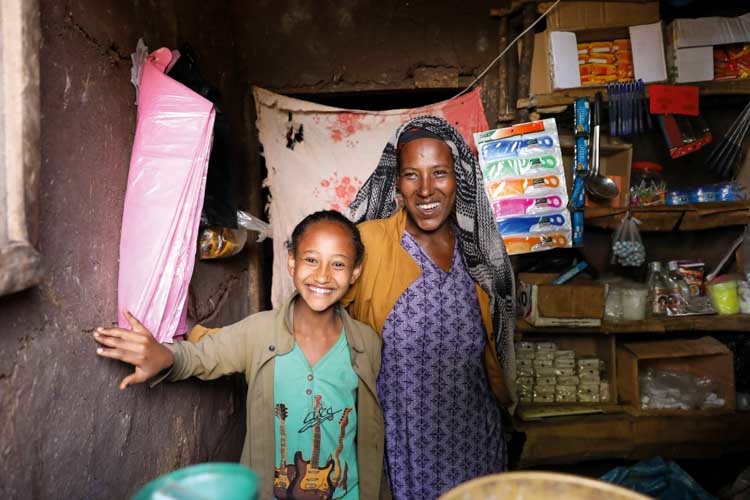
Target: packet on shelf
[(549, 355), (546, 346), (566, 393), (568, 380), (564, 372), (564, 363), (546, 380), (543, 363)]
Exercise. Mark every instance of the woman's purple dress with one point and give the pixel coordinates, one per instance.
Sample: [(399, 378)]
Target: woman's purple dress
[(442, 423)]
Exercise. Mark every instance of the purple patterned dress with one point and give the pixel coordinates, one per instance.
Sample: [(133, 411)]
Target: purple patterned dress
[(442, 423)]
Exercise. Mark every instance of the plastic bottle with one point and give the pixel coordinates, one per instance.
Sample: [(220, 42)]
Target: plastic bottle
[(679, 290), (658, 290)]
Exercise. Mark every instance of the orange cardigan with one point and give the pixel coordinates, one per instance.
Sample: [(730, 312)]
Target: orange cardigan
[(387, 272)]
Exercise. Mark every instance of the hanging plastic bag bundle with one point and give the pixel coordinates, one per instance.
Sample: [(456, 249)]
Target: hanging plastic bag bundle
[(627, 246), (166, 185)]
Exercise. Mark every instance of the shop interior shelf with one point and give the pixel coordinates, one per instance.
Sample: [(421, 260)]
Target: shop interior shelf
[(704, 323), (668, 218), (565, 97), (571, 439)]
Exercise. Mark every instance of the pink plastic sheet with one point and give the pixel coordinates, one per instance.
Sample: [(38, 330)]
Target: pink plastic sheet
[(166, 184)]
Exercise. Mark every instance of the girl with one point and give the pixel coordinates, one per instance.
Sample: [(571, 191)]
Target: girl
[(310, 371)]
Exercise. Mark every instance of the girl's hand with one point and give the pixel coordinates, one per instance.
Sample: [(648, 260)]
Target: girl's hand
[(137, 347)]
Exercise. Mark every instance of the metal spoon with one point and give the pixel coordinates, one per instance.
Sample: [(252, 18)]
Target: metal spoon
[(598, 185)]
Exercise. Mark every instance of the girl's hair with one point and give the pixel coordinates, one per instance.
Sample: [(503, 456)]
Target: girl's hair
[(328, 216)]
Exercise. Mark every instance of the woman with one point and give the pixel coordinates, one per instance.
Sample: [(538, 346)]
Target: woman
[(437, 284)]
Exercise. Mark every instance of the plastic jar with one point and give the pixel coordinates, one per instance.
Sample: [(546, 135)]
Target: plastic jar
[(743, 292), (613, 304), (724, 297), (647, 186), (634, 303)]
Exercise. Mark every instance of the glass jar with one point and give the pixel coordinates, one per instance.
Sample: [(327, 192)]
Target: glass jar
[(646, 184)]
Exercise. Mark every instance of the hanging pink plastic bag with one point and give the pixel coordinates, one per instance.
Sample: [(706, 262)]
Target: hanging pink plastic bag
[(164, 196)]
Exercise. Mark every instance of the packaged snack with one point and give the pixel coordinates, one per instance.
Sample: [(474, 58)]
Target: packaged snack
[(565, 363), (692, 272), (549, 355), (548, 371), (621, 45), (545, 389), (544, 398), (218, 242), (589, 375), (564, 372), (546, 346), (604, 392), (568, 380), (602, 58), (545, 381), (600, 47), (589, 362), (543, 363), (524, 363)]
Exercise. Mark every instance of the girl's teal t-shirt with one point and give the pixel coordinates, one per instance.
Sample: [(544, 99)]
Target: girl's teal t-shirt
[(316, 423)]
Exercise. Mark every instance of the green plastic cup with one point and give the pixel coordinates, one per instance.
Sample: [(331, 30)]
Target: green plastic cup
[(209, 481), (724, 296)]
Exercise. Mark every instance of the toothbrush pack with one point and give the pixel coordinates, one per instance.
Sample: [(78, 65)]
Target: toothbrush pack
[(525, 183)]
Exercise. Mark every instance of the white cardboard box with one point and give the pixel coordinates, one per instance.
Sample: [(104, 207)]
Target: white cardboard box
[(647, 43), (706, 31), (690, 44)]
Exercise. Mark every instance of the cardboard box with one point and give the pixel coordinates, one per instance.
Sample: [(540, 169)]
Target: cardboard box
[(575, 304), (690, 45), (556, 55), (540, 83), (703, 357), (587, 345), (707, 31), (574, 16), (615, 160)]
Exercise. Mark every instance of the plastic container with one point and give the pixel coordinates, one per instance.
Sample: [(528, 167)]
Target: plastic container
[(743, 292), (647, 186), (613, 304), (724, 297), (634, 303), (210, 481), (678, 197)]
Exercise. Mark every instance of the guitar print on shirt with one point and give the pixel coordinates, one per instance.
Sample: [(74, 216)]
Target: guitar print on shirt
[(309, 478)]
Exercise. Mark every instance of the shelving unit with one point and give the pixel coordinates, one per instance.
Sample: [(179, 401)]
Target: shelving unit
[(566, 97), (668, 218), (704, 323), (571, 439)]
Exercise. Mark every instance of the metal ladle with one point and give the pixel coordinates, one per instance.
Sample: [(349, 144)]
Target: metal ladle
[(596, 184)]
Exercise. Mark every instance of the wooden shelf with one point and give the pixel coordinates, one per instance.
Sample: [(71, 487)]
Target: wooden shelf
[(706, 323), (690, 217), (566, 97), (563, 440)]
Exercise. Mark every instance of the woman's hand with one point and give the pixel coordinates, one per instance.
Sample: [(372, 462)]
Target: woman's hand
[(137, 347)]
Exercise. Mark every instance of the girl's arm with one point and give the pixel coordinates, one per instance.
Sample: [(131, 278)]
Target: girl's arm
[(219, 353), (136, 347)]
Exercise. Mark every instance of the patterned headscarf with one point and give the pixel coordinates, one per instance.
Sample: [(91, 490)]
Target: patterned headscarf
[(482, 248)]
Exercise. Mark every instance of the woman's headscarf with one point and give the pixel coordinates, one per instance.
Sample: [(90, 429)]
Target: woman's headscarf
[(482, 248)]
